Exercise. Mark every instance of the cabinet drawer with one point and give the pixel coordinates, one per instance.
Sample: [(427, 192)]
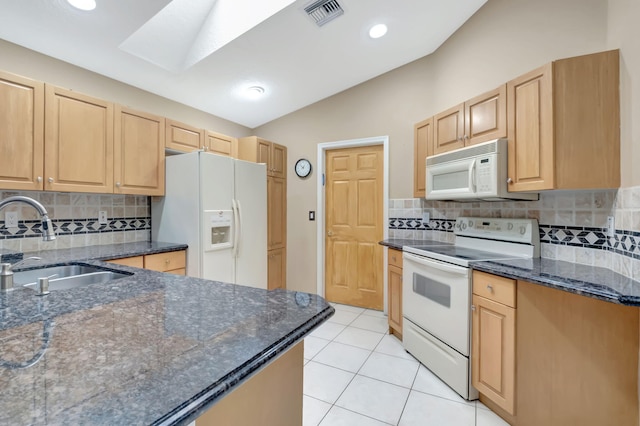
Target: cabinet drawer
[(165, 261), (493, 287), (136, 261), (395, 257)]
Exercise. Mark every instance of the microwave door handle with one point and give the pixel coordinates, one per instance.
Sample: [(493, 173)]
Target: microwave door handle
[(472, 176)]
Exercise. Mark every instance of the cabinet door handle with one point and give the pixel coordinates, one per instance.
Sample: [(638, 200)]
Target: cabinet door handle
[(39, 179), (490, 288), (509, 180), (118, 184), (329, 233), (50, 180), (473, 307)]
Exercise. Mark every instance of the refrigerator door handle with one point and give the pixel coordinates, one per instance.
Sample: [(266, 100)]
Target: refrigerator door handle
[(236, 223), (238, 233)]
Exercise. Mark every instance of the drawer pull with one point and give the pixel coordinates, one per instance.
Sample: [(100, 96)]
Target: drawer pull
[(490, 288)]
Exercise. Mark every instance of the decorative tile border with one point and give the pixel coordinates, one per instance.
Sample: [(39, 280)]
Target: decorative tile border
[(416, 224), (625, 243), (32, 228)]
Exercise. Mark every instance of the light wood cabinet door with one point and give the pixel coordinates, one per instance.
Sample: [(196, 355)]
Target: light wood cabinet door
[(183, 137), (22, 135), (278, 160), (276, 212), (493, 351), (277, 268), (135, 261), (530, 128), (448, 133), (78, 142), (263, 154), (485, 116), (220, 144), (422, 148), (138, 153), (394, 282)]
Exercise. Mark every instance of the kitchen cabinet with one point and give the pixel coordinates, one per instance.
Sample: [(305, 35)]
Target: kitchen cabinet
[(173, 262), (138, 153), (274, 156), (22, 136), (78, 148), (394, 292), (493, 338), (564, 125), (220, 144), (422, 148), (258, 150), (477, 120), (277, 268), (183, 137)]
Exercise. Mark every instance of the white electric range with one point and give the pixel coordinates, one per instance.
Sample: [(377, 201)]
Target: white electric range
[(437, 292)]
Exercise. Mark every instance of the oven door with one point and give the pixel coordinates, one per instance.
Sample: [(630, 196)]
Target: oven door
[(436, 297)]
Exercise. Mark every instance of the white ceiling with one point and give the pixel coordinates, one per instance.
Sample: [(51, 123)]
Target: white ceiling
[(297, 62)]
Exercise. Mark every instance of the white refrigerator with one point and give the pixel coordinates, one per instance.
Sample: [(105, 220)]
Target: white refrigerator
[(218, 206)]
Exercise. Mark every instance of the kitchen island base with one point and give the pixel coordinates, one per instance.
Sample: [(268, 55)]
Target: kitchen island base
[(272, 397)]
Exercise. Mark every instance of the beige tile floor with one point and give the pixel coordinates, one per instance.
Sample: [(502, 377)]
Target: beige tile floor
[(356, 374)]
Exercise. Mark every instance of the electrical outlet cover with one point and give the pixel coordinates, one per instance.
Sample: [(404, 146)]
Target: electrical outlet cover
[(102, 217), (11, 220)]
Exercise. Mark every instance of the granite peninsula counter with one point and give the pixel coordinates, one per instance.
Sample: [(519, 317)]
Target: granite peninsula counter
[(151, 348)]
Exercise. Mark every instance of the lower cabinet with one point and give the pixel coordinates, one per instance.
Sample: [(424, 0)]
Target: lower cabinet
[(277, 267), (394, 292), (493, 339), (173, 262)]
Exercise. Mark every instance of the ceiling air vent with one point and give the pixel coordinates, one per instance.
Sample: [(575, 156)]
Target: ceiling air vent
[(323, 11)]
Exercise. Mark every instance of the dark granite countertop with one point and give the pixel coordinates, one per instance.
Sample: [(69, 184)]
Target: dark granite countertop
[(106, 252), (151, 348), (591, 281)]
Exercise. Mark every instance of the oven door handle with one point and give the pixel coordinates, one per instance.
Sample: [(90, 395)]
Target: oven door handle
[(436, 265)]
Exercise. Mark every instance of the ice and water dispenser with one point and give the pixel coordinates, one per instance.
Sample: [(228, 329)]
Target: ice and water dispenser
[(218, 229)]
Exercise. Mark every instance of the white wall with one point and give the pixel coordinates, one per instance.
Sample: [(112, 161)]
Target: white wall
[(504, 39)]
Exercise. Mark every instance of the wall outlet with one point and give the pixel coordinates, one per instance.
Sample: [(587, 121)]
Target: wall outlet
[(102, 217), (11, 220), (611, 226), (425, 217)]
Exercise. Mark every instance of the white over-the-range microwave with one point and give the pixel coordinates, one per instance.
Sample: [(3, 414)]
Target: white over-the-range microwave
[(477, 172)]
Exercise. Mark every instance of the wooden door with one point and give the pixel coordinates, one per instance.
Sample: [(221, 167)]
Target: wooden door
[(78, 142), (220, 144), (22, 135), (493, 351), (448, 130), (183, 137), (485, 116), (276, 212), (138, 153), (278, 160), (530, 130), (422, 148), (353, 258), (277, 268)]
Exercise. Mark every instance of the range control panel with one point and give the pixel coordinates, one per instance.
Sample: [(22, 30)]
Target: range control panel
[(514, 230)]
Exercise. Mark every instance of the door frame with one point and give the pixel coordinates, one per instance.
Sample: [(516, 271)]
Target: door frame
[(320, 216)]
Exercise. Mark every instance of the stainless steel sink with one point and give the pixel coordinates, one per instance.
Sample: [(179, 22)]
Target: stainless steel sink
[(67, 276)]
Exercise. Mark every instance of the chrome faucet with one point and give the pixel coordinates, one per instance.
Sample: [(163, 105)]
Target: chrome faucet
[(47, 226), (6, 273)]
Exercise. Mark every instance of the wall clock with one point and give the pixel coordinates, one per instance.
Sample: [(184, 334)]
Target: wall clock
[(303, 168)]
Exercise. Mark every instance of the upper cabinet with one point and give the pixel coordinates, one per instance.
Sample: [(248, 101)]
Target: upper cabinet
[(138, 153), (183, 137), (78, 148), (478, 120), (22, 136), (564, 125), (258, 150), (422, 148), (220, 144)]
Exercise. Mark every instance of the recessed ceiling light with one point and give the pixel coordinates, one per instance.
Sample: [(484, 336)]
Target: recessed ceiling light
[(83, 4), (254, 92), (378, 31)]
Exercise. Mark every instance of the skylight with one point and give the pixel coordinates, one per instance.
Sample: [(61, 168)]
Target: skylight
[(187, 31)]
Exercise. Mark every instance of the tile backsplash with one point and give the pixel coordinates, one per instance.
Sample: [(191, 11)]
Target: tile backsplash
[(573, 224), (75, 219)]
